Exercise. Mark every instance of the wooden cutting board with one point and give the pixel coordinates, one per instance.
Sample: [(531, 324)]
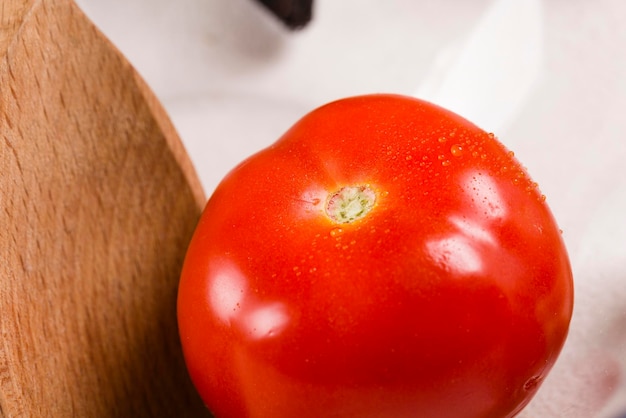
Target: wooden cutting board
[(98, 201)]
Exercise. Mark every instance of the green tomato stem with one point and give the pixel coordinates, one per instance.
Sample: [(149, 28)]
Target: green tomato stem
[(350, 203)]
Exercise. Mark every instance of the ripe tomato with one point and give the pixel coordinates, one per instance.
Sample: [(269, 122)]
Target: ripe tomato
[(384, 258)]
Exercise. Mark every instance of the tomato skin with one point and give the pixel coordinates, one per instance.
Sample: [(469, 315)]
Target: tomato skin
[(451, 297)]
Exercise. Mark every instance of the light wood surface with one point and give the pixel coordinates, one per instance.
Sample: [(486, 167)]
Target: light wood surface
[(98, 201)]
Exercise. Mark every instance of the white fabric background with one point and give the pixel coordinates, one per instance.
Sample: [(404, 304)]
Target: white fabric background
[(547, 76)]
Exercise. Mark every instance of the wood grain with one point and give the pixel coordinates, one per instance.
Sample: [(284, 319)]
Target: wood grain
[(98, 201)]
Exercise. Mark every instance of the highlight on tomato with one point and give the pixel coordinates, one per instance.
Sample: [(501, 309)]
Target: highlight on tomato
[(384, 258)]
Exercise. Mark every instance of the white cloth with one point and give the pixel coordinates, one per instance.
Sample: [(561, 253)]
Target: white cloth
[(233, 80)]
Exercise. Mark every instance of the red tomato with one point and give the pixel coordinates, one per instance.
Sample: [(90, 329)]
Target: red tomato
[(384, 258)]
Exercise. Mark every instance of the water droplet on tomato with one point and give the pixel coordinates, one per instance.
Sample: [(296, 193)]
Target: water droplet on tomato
[(335, 232), (442, 139), (532, 383), (445, 163), (456, 150)]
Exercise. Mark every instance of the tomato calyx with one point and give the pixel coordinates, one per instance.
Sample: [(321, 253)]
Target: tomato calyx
[(350, 203)]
